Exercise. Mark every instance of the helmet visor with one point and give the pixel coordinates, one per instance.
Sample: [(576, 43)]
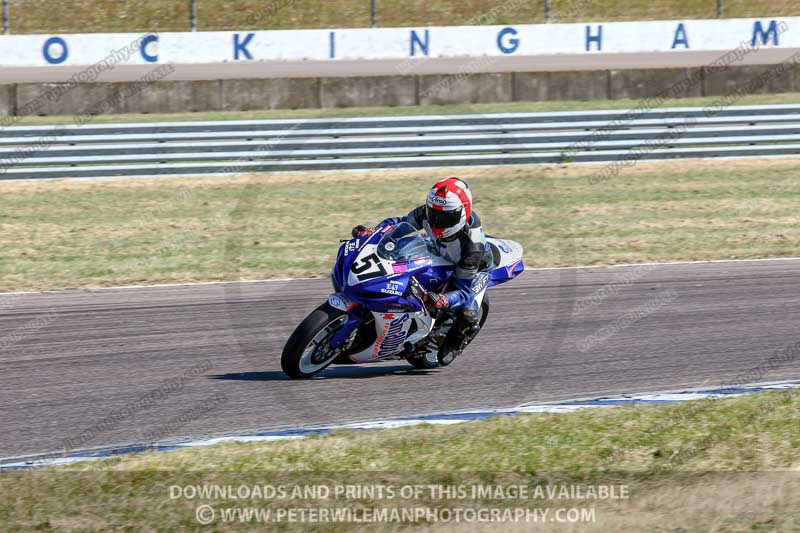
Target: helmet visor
[(443, 219)]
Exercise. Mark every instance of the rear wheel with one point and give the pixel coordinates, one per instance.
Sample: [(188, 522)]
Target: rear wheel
[(308, 351)]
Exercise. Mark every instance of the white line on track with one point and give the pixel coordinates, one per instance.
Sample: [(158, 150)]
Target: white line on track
[(281, 280)]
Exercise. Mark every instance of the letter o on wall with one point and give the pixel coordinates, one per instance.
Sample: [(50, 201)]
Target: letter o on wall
[(47, 50)]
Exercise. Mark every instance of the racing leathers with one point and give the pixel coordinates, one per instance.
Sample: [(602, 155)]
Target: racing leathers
[(467, 250)]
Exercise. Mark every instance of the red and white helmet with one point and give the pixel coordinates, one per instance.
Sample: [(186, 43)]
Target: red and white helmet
[(449, 207)]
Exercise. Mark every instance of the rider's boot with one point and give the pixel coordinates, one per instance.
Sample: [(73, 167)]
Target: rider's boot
[(464, 330), (432, 358), (424, 357)]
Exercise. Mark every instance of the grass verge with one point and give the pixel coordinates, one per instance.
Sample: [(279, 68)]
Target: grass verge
[(34, 16), (453, 109), (92, 233), (728, 464)]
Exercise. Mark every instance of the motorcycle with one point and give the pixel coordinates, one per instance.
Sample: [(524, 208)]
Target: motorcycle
[(377, 311)]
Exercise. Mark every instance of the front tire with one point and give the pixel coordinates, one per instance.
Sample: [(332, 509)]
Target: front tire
[(307, 352)]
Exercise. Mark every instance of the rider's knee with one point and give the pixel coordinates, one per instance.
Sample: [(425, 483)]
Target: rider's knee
[(469, 315)]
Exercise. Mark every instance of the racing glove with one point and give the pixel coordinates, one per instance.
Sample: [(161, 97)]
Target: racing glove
[(362, 231), (435, 301)]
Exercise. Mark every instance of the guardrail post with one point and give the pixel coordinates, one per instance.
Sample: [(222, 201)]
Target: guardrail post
[(719, 8), (548, 9), (6, 16), (373, 13), (193, 14)]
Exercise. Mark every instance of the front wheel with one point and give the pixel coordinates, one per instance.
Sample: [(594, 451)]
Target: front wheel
[(308, 351)]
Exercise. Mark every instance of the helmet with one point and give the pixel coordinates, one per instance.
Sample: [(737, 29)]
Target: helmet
[(448, 208)]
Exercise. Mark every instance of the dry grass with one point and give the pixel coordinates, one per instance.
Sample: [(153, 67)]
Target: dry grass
[(729, 502), (738, 470), (89, 233), (81, 16), (48, 16)]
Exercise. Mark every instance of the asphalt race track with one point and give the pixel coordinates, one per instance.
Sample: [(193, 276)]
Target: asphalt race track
[(113, 366), (393, 67)]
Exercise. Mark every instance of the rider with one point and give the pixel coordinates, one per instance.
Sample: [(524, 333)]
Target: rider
[(455, 228)]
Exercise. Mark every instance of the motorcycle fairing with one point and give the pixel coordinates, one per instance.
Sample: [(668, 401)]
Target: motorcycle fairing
[(510, 264)]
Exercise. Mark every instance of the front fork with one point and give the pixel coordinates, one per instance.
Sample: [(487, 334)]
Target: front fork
[(354, 318)]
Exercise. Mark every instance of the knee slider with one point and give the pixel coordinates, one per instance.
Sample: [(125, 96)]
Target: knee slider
[(469, 316)]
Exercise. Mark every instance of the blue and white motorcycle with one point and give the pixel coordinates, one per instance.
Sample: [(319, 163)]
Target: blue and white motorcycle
[(377, 312)]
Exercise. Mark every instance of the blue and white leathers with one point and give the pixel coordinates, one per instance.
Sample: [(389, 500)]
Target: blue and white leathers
[(465, 251)]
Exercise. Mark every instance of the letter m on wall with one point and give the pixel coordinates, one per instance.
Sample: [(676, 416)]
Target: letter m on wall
[(765, 36)]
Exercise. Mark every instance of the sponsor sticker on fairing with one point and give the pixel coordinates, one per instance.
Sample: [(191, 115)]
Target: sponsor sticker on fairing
[(393, 337), (394, 288), (338, 302), (400, 268), (480, 283), (513, 266), (351, 246)]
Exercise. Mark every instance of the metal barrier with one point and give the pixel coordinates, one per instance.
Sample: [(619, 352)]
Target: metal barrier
[(181, 148)]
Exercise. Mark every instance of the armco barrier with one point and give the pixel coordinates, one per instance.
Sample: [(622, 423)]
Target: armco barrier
[(615, 137)]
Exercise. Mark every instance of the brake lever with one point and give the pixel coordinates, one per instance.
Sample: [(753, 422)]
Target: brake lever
[(416, 290)]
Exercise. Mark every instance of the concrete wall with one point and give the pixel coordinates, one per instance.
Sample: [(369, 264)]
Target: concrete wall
[(97, 51), (580, 85), (633, 84), (8, 100), (465, 88), (276, 93), (367, 91), (244, 95)]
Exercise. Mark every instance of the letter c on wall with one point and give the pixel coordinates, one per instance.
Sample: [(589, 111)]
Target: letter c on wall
[(143, 48)]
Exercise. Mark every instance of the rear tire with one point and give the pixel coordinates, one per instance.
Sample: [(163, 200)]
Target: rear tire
[(305, 352)]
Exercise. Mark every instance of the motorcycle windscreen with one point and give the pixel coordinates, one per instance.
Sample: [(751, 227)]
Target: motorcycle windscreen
[(403, 244)]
